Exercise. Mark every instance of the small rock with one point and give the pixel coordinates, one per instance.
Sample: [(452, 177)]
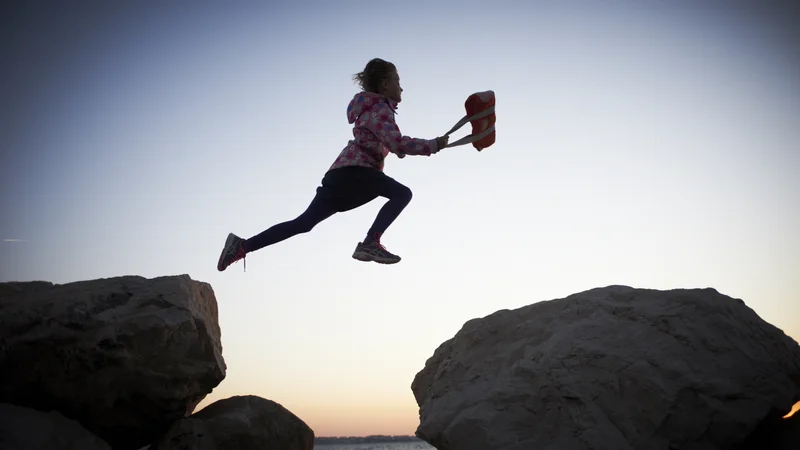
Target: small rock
[(242, 423)]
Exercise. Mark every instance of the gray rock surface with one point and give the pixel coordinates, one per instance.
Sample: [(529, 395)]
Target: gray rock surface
[(28, 429), (612, 368), (124, 356), (241, 422)]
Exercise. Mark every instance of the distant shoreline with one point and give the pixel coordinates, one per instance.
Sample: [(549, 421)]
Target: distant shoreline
[(377, 439)]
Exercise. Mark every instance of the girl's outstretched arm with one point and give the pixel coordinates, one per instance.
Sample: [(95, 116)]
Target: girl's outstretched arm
[(383, 125)]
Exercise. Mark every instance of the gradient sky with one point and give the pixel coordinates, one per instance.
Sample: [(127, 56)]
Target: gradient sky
[(652, 144)]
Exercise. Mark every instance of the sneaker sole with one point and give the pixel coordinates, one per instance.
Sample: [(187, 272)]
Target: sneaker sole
[(366, 257), (228, 244)]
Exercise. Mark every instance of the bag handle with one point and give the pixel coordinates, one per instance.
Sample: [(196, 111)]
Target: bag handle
[(472, 137)]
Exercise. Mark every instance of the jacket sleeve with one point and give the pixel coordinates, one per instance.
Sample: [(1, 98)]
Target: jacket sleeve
[(382, 124)]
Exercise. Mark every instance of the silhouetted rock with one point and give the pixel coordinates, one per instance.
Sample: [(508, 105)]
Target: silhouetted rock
[(614, 368), (28, 429), (124, 356), (241, 423), (776, 433)]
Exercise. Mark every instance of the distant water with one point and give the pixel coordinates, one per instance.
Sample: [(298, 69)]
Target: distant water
[(383, 446)]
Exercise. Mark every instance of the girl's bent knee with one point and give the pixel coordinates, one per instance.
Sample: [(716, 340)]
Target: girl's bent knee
[(406, 194)]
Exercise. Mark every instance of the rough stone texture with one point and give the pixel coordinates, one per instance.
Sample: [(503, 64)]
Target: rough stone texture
[(28, 429), (613, 368), (242, 423), (124, 356)]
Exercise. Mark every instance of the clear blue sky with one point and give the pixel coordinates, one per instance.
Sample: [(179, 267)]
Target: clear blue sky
[(652, 144)]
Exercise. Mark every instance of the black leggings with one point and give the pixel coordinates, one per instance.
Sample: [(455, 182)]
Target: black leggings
[(342, 189)]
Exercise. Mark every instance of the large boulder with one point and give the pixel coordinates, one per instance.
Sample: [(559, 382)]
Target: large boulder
[(124, 356), (241, 422), (613, 368), (29, 429)]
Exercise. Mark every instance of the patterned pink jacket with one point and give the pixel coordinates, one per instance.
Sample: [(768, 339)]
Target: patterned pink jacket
[(376, 134)]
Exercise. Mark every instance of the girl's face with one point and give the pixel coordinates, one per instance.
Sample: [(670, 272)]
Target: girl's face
[(391, 87)]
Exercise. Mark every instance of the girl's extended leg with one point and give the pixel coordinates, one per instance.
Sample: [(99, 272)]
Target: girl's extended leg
[(237, 248), (316, 212)]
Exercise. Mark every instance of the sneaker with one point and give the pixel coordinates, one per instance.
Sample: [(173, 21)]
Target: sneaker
[(232, 252), (374, 251)]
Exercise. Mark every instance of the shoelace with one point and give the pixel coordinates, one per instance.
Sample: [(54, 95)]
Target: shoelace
[(240, 254), (377, 241)]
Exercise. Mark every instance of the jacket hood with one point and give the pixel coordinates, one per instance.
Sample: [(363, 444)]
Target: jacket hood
[(364, 101)]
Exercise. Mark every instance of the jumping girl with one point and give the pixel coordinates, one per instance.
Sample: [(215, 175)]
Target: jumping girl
[(356, 177)]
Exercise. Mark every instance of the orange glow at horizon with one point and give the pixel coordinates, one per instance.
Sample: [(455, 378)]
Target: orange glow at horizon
[(370, 414)]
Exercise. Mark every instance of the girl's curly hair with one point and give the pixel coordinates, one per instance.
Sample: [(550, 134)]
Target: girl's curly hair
[(373, 74)]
